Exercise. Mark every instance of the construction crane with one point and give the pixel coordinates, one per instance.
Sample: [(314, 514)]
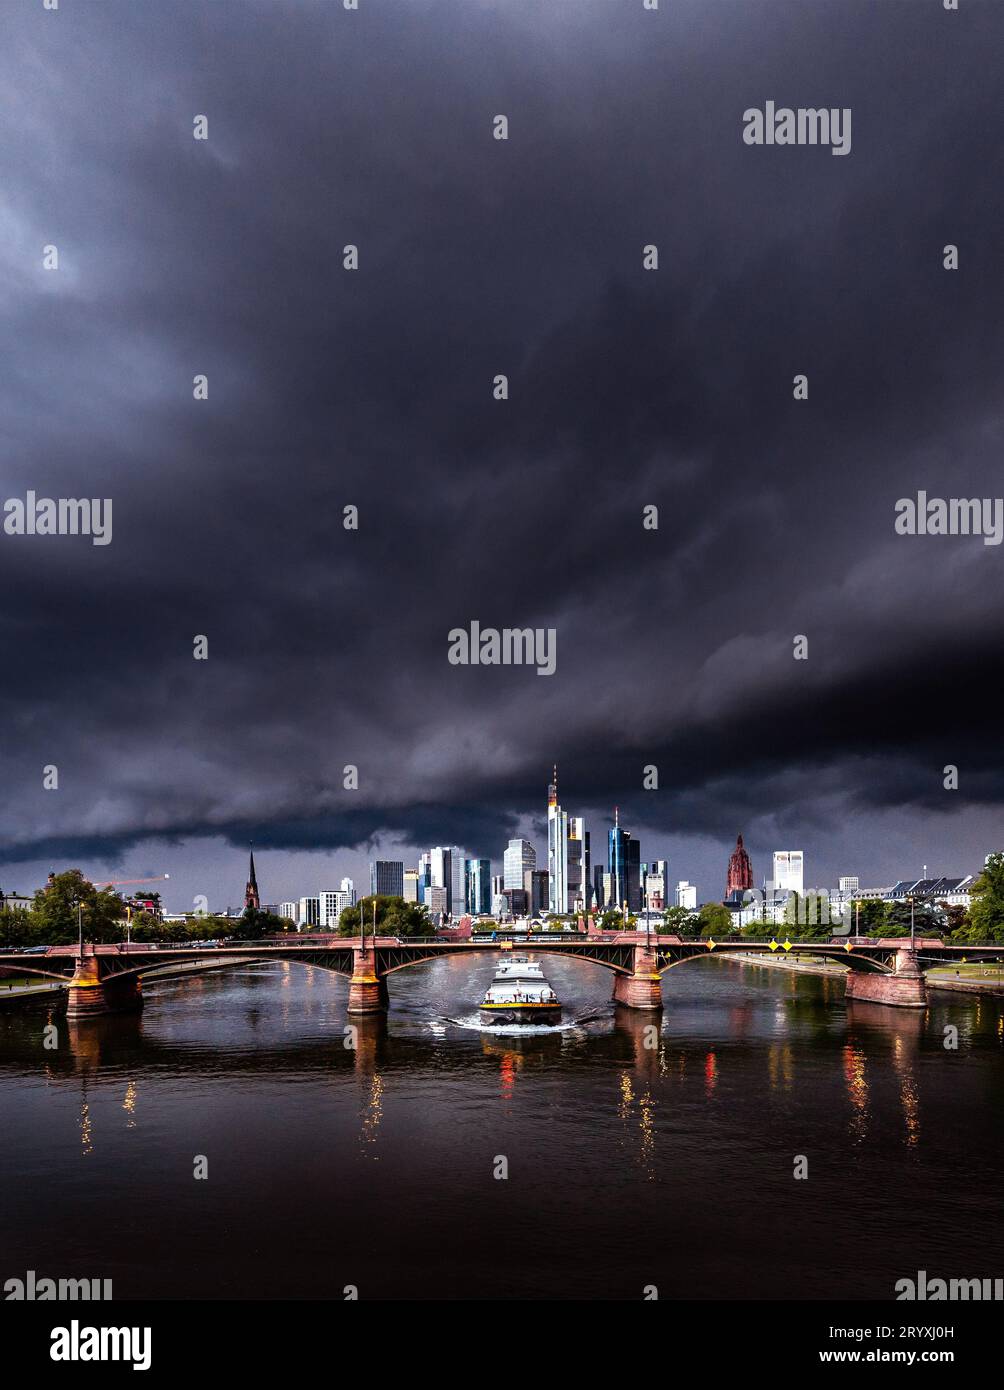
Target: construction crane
[(125, 882)]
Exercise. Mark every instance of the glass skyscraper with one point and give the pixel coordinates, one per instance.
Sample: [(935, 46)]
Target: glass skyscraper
[(387, 877), (624, 854), (479, 886), (519, 859)]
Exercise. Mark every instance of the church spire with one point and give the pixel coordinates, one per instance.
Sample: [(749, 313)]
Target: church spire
[(740, 875), (251, 899)]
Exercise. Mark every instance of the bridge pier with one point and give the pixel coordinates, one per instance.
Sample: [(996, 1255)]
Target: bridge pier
[(904, 987), (90, 996), (367, 991), (643, 988)]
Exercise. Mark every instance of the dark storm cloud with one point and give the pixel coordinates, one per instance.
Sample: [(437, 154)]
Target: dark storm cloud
[(374, 388)]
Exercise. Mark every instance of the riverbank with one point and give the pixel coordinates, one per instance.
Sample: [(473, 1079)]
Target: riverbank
[(22, 989), (17, 991), (990, 982)]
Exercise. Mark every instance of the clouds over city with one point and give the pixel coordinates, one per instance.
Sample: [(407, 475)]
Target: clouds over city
[(373, 388)]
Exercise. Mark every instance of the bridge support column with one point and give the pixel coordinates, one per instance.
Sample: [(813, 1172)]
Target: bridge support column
[(367, 991), (89, 995), (904, 987), (642, 989)]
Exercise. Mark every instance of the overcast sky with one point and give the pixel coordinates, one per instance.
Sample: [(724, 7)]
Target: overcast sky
[(373, 388)]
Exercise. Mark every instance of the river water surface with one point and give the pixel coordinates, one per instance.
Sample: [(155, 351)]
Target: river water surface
[(629, 1164)]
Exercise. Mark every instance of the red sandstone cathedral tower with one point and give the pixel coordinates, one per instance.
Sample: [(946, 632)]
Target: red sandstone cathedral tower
[(740, 870), (251, 891)]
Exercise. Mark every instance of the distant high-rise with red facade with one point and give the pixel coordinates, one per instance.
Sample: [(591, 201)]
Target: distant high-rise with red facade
[(740, 870)]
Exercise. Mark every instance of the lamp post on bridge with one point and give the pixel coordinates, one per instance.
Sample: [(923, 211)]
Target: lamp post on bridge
[(78, 904)]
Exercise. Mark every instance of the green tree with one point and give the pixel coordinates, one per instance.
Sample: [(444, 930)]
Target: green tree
[(758, 931), (254, 924), (55, 911), (957, 923), (986, 912), (868, 917), (612, 920), (714, 920), (394, 917), (926, 919), (17, 927), (678, 921)]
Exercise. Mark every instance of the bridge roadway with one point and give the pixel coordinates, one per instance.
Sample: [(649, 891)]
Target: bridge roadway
[(105, 979)]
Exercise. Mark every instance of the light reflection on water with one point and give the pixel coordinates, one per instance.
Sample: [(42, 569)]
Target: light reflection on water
[(634, 1156)]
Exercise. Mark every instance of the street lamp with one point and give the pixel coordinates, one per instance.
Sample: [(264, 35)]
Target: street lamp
[(913, 933), (78, 903)]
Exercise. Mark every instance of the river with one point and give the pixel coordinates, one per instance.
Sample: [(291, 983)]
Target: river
[(634, 1157)]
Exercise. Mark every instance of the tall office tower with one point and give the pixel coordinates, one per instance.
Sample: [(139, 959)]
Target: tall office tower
[(479, 886), (347, 886), (411, 885), (387, 877), (458, 881), (657, 886), (740, 875), (599, 891), (424, 877), (289, 910), (538, 890), (578, 864), (624, 853), (788, 870), (498, 886), (633, 866), (516, 901), (557, 850), (849, 885), (519, 859), (439, 870), (686, 895), (310, 911), (447, 868)]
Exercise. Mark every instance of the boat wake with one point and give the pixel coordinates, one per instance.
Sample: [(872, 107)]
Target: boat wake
[(514, 1030)]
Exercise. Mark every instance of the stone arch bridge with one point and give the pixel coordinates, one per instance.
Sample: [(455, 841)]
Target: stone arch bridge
[(107, 979)]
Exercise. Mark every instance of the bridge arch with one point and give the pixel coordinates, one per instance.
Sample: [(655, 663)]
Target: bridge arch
[(671, 957), (582, 955), (13, 971)]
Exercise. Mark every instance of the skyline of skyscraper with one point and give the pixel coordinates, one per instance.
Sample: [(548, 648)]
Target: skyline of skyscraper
[(387, 877), (518, 859), (789, 867), (557, 850), (479, 886), (624, 858)]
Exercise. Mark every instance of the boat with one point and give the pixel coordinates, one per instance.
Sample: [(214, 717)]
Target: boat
[(519, 993)]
